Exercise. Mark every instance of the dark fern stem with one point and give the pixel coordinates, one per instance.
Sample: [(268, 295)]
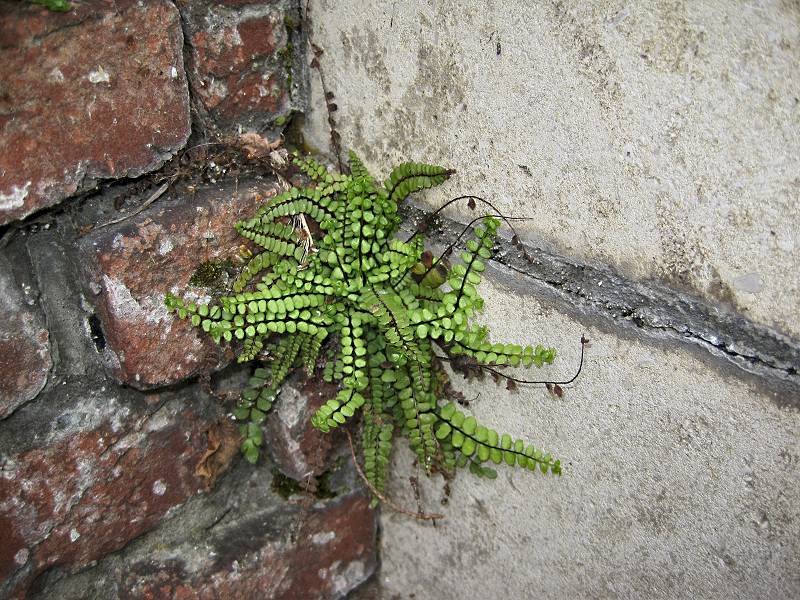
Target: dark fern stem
[(330, 107), (375, 314)]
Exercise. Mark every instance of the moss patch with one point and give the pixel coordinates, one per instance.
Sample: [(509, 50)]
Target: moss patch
[(286, 56), (284, 486), (212, 274), (287, 487)]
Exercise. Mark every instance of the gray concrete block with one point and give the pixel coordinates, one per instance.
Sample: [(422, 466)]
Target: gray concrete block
[(657, 145), (661, 140), (680, 479)]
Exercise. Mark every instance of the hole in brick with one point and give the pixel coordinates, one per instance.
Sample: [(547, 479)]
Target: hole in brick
[(96, 330)]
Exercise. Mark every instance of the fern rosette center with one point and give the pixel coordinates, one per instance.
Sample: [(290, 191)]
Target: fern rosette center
[(375, 313)]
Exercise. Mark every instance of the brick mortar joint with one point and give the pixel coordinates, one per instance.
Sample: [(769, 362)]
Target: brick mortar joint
[(649, 307)]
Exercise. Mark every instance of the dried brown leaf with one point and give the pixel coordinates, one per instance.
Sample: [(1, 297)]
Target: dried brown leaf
[(223, 445), (257, 146)]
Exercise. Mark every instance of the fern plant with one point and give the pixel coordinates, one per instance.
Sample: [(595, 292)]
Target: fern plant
[(376, 314), (54, 5)]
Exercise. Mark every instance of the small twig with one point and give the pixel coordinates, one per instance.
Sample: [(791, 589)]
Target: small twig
[(156, 195), (416, 515), (308, 240)]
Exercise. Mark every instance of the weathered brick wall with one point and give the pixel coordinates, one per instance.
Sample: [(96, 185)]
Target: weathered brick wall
[(656, 150), (121, 476)]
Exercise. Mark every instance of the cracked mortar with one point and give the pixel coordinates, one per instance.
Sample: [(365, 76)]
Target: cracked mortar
[(650, 308)]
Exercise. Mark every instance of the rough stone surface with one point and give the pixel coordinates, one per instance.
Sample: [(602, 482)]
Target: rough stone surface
[(660, 141), (240, 62), (47, 263), (134, 263), (242, 541), (334, 553), (24, 346), (297, 447), (91, 492), (98, 92), (679, 478), (107, 490)]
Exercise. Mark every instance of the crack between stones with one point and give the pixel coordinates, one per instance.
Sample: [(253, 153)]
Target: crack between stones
[(218, 519), (632, 315), (650, 307), (66, 26), (199, 121)]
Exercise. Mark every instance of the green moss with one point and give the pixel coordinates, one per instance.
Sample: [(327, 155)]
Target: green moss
[(286, 56), (325, 489), (54, 5), (284, 486), (212, 274), (280, 121)]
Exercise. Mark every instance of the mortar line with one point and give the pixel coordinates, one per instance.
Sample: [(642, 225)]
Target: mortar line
[(649, 307)]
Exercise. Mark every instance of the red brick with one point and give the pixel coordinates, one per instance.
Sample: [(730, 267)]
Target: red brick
[(63, 126), (298, 448), (93, 492), (134, 263), (333, 550), (237, 70)]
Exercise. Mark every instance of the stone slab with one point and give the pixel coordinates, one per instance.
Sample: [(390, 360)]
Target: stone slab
[(93, 490), (94, 93), (25, 359), (241, 60), (299, 449), (241, 541), (680, 477)]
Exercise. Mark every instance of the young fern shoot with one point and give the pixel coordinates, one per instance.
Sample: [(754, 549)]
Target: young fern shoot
[(379, 309)]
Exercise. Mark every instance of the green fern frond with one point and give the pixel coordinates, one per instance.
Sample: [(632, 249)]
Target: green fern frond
[(357, 169), (393, 314), (311, 168), (337, 410), (411, 177), (477, 442)]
